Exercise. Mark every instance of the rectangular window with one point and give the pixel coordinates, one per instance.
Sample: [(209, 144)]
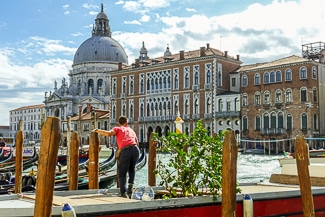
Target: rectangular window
[(233, 82)]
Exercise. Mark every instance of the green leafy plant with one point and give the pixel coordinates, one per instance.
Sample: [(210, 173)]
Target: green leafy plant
[(195, 165)]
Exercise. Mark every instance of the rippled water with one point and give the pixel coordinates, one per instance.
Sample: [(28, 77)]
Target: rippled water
[(250, 168)]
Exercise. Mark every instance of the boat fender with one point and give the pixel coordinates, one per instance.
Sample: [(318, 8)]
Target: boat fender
[(24, 180), (248, 206), (68, 211), (31, 181), (8, 176)]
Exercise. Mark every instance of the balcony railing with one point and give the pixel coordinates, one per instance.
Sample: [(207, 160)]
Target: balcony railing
[(207, 86), (195, 87), (123, 95), (272, 131), (227, 114), (196, 116)]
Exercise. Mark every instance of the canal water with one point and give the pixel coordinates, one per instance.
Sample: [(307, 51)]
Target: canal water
[(251, 168)]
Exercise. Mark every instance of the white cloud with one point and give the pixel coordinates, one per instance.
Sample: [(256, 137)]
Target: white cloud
[(190, 9), (134, 22), (90, 6), (145, 18), (76, 34)]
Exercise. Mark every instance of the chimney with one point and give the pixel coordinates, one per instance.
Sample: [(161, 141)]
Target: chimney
[(208, 46), (181, 55), (202, 51), (119, 66), (137, 63), (80, 111), (226, 53), (237, 57), (88, 108)]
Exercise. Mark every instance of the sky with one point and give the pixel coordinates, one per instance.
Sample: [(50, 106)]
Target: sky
[(38, 38)]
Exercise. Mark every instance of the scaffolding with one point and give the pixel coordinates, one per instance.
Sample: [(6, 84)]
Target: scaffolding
[(313, 51)]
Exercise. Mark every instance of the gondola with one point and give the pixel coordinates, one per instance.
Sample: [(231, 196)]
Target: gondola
[(10, 166), (7, 158), (106, 178)]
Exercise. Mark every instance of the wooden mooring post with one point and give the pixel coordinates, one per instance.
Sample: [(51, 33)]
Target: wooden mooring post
[(50, 141), (302, 159), (229, 174), (152, 161), (74, 161), (93, 169), (19, 159)]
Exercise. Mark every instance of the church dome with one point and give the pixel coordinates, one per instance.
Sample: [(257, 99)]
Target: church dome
[(100, 49)]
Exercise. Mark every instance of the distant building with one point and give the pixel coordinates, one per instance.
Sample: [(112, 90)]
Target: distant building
[(32, 118), (4, 131), (282, 99)]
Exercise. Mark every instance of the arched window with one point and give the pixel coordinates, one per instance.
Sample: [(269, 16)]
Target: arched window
[(152, 84), (196, 78), (303, 94), (272, 77), (141, 110), (289, 122), (99, 85), (304, 123), (273, 120), (148, 84), (187, 80), (245, 100), (156, 84), (176, 82), (208, 105), (244, 81), (303, 72), (90, 86), (314, 94), (176, 107), (266, 78), (257, 98), (278, 76), (131, 111), (245, 123), (148, 110), (220, 105), (280, 120), (208, 77), (142, 86), (257, 79), (288, 96), (288, 75), (278, 96), (266, 97), (160, 83), (257, 123), (314, 72), (186, 111), (266, 121), (237, 104), (196, 106)]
